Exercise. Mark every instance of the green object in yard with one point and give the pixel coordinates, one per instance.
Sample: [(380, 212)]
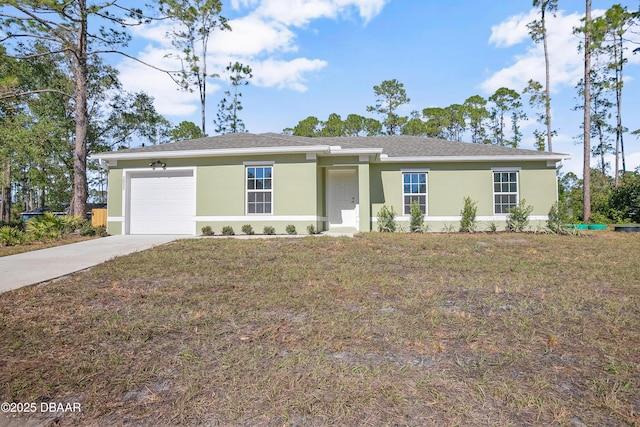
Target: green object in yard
[(577, 226), (597, 226)]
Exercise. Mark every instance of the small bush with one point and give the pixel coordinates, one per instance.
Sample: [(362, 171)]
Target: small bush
[(269, 230), (492, 227), (207, 231), (599, 218), (518, 217), (311, 229), (558, 218), (468, 213), (387, 220), (49, 227), (101, 231), (291, 229), (10, 236), (417, 218), (86, 229), (247, 229), (227, 230)]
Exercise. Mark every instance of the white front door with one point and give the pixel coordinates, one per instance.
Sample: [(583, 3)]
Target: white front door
[(342, 198), (162, 202)]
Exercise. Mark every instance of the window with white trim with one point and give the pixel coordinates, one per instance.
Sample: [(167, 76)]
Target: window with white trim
[(505, 191), (259, 189), (414, 188)]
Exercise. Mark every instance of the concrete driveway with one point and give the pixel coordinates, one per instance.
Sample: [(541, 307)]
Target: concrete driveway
[(39, 266)]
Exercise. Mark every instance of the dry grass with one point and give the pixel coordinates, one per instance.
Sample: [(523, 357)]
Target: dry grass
[(496, 329)]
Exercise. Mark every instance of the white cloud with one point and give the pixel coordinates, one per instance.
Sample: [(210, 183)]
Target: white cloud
[(168, 99), (251, 36), (259, 38), (566, 63), (285, 74), (300, 12), (512, 31), (155, 32)]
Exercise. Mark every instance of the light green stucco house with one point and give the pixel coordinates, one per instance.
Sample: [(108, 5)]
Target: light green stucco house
[(336, 184)]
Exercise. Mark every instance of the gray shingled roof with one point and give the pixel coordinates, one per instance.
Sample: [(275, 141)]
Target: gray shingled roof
[(392, 146)]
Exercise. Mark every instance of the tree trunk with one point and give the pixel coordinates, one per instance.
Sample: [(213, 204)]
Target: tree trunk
[(547, 98), (619, 84), (80, 192), (587, 115), (603, 165), (5, 184)]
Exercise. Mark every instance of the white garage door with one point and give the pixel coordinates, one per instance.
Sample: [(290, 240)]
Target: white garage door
[(162, 202)]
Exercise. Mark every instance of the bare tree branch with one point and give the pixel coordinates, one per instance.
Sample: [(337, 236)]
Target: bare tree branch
[(34, 92), (169, 72)]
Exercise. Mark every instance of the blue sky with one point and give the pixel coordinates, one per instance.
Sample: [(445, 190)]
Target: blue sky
[(317, 57)]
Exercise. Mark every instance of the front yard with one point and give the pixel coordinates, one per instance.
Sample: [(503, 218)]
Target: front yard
[(435, 329)]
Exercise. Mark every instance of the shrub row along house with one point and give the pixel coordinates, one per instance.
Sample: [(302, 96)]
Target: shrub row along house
[(334, 184)]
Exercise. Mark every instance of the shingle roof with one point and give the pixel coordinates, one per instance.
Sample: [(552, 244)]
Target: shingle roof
[(392, 146)]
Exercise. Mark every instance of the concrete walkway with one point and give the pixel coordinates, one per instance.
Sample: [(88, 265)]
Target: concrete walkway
[(39, 266)]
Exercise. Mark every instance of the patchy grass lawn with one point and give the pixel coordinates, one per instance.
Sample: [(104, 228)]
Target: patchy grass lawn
[(34, 246), (435, 329)]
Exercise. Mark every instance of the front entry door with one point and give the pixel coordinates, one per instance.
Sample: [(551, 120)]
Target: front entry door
[(342, 198)]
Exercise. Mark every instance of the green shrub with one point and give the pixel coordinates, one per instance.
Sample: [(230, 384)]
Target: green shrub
[(227, 230), (101, 231), (558, 218), (599, 218), (311, 229), (417, 218), (247, 229), (207, 231), (291, 229), (18, 225), (49, 227), (387, 220), (518, 217), (10, 236), (86, 229), (468, 213), (269, 230), (492, 227)]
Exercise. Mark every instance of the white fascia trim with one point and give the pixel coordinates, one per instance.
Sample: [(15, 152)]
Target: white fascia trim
[(469, 159), (260, 218), (415, 170), (507, 169), (336, 150), (183, 154), (128, 171), (260, 163), (405, 218)]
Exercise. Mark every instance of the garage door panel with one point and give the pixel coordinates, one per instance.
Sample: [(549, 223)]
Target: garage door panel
[(162, 203)]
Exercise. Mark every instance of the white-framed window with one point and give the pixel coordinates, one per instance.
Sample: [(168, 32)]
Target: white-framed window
[(505, 190), (414, 188), (259, 189)]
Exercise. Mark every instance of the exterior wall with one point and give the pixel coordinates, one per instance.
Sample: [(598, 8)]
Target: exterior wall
[(114, 202), (221, 193), (299, 191), (321, 194), (448, 185)]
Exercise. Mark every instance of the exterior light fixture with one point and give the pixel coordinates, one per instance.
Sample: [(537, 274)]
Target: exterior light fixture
[(157, 163)]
